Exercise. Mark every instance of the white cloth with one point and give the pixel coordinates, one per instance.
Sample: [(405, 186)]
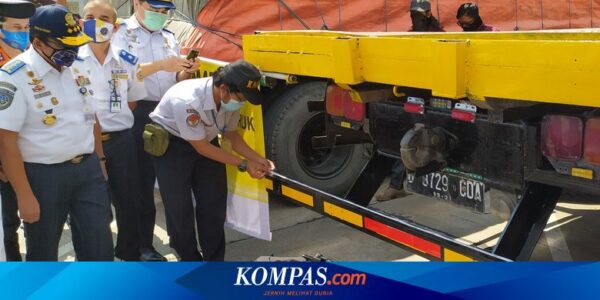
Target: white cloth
[(149, 47), (128, 88), (57, 93), (188, 111)]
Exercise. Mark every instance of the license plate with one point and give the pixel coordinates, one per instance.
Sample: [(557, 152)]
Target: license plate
[(458, 189)]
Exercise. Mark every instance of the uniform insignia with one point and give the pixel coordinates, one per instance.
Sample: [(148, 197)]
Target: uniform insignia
[(54, 101), (49, 119), (6, 97), (35, 81), (13, 66), (38, 88), (30, 74), (83, 81), (42, 95), (128, 57), (193, 119)]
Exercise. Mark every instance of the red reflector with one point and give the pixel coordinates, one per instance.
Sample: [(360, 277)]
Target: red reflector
[(562, 137), (591, 144), (414, 108), (354, 110), (404, 238), (334, 100), (461, 115)]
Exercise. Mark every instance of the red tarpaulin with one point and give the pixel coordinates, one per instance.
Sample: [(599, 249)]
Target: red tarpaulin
[(228, 20)]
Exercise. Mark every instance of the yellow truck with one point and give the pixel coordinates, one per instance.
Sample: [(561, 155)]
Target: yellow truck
[(498, 121)]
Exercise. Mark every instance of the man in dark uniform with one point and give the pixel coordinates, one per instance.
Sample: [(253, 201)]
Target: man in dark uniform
[(14, 38)]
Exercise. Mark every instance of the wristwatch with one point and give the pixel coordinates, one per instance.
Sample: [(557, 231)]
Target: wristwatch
[(243, 166)]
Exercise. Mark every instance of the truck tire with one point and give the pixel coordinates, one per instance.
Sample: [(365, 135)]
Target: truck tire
[(289, 127)]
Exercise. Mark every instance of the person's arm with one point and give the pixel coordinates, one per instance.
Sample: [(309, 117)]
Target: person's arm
[(188, 72), (14, 167), (208, 150), (169, 64), (239, 145)]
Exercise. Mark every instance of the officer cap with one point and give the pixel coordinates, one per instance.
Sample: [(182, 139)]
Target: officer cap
[(245, 77), (55, 21)]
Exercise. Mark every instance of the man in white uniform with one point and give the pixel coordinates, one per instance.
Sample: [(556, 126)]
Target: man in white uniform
[(144, 36), (115, 90), (195, 112), (47, 141)]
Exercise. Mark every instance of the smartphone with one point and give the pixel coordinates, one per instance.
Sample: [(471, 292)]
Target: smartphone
[(192, 55)]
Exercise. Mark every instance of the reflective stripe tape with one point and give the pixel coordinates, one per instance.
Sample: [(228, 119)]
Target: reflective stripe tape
[(343, 214), (582, 173), (297, 195), (404, 238), (451, 256), (268, 184)]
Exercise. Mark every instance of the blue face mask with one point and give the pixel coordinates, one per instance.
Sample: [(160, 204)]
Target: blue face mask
[(17, 39), (232, 105)]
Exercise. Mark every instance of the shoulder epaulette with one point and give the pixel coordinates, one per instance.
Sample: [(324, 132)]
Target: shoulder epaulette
[(13, 66)]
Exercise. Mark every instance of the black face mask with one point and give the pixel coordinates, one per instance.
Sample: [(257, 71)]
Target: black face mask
[(473, 26)]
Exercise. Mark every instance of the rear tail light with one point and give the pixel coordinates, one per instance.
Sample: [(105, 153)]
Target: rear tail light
[(339, 103), (591, 144), (562, 137), (334, 100), (354, 110), (414, 105), (464, 112)]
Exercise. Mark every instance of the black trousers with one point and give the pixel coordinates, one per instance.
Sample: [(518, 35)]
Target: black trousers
[(181, 171), (146, 174), (124, 191), (77, 190), (10, 222)]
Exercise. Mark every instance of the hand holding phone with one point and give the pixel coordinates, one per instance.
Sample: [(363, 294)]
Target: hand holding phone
[(192, 55)]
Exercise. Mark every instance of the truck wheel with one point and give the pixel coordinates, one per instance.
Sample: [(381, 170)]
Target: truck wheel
[(289, 128)]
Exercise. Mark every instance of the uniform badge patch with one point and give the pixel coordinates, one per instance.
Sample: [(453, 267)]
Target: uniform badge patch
[(6, 98), (128, 57), (193, 119)]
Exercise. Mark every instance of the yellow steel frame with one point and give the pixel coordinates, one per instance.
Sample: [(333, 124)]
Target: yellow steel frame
[(552, 67)]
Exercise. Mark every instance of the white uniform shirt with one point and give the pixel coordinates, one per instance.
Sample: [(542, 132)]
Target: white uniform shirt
[(149, 47), (188, 111), (120, 74), (38, 92)]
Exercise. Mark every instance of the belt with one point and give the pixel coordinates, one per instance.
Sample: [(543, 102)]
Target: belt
[(77, 159), (106, 136)]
